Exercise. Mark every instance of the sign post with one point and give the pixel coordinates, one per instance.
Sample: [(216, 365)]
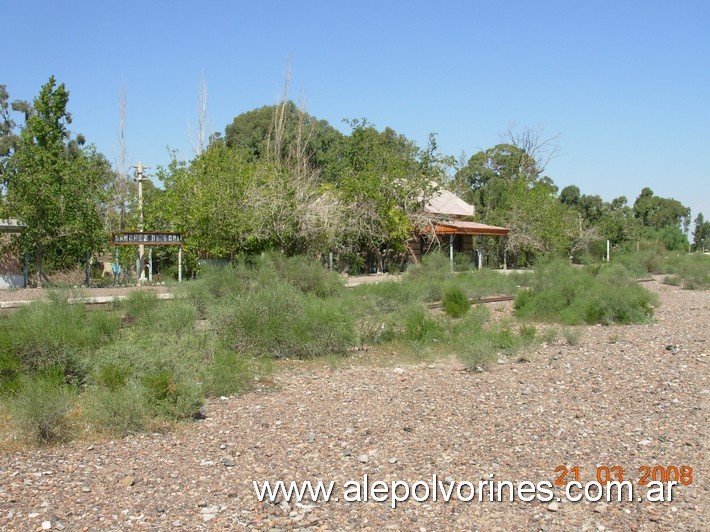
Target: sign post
[(150, 239)]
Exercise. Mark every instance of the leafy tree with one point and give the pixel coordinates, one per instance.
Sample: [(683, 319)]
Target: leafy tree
[(656, 212), (54, 183), (506, 185), (570, 195), (253, 131), (384, 180), (701, 234)]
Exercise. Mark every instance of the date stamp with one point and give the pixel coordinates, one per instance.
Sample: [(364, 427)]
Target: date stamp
[(644, 475)]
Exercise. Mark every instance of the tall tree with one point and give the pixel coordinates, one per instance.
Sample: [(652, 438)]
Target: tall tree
[(55, 185), (656, 212), (701, 233)]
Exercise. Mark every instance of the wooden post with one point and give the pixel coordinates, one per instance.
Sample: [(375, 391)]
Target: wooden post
[(330, 261)]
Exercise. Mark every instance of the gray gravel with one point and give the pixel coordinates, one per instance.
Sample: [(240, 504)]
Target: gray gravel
[(620, 397)]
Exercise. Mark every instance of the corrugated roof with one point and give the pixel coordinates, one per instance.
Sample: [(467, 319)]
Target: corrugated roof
[(448, 204), (469, 228)]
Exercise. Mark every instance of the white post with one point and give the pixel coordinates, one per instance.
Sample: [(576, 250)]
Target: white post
[(607, 251), (480, 252), (150, 264), (330, 260), (451, 251), (180, 264)]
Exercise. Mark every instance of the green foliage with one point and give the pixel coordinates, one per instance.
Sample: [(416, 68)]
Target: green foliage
[(251, 132), (54, 334), (419, 326), (121, 410), (41, 407), (171, 395), (140, 304), (573, 296), (54, 185), (659, 213), (701, 234), (228, 374), (455, 301)]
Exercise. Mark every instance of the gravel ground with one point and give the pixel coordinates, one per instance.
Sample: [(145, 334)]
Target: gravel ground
[(628, 395)]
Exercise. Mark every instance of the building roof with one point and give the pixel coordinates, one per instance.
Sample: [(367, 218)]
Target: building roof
[(446, 203), (458, 227)]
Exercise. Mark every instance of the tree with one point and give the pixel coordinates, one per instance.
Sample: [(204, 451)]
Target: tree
[(9, 136), (656, 212), (55, 185), (570, 195), (701, 233), (384, 180), (252, 131), (507, 187)]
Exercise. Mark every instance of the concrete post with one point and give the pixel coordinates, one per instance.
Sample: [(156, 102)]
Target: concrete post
[(480, 252), (180, 264), (451, 251)]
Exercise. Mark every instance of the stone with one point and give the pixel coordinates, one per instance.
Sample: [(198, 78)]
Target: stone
[(363, 458), (227, 461), (127, 481), (46, 525), (311, 437), (553, 506)]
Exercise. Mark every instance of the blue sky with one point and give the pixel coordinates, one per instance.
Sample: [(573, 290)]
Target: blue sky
[(624, 85)]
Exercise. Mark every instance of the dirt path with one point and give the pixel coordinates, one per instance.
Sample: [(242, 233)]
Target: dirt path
[(627, 396)]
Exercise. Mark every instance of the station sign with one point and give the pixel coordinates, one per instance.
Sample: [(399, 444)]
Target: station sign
[(127, 238)]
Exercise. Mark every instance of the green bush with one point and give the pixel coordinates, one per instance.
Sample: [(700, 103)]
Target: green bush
[(279, 321), (419, 326), (41, 406), (120, 410), (569, 295), (476, 351), (140, 305), (228, 374), (573, 336), (455, 301), (170, 396), (52, 334)]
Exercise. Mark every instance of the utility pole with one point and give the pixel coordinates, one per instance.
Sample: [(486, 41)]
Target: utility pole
[(140, 259)]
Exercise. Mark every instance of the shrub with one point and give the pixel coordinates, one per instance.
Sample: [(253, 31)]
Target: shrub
[(455, 301), (53, 334), (585, 295), (419, 327), (120, 410), (140, 304), (279, 321), (170, 396), (477, 351), (41, 407), (228, 374), (573, 336)]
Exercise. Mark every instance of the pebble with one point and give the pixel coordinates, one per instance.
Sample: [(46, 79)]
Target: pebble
[(363, 458), (128, 481), (553, 506), (227, 461)]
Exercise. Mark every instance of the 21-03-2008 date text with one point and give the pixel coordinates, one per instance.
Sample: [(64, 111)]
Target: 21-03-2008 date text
[(645, 474)]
